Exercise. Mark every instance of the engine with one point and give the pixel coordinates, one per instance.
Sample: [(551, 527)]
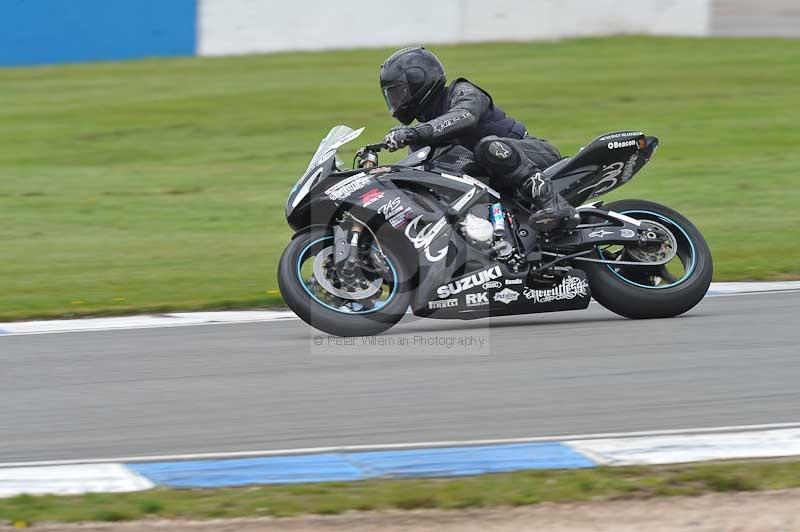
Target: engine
[(484, 227)]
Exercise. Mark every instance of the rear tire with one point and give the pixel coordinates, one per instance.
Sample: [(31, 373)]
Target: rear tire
[(628, 298), (326, 318)]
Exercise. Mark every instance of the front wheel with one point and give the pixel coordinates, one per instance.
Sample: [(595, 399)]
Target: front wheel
[(370, 300), (660, 291)]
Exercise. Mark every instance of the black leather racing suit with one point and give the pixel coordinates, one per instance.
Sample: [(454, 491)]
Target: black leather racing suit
[(465, 114)]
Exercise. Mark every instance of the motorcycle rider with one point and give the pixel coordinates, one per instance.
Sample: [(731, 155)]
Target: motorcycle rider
[(413, 82)]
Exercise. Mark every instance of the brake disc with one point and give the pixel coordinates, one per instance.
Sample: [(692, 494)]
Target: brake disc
[(322, 277), (663, 252)]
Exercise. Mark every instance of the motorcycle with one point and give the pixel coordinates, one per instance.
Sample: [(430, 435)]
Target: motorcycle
[(422, 233)]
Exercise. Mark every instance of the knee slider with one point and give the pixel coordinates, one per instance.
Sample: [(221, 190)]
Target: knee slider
[(494, 152)]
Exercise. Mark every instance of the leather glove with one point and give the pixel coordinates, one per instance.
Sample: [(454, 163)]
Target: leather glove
[(400, 137)]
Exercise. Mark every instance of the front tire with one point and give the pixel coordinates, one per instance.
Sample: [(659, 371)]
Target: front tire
[(334, 318), (633, 291)]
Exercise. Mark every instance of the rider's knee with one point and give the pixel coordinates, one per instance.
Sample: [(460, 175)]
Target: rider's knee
[(496, 153)]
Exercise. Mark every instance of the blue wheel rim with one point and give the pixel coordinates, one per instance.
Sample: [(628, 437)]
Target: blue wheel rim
[(300, 261), (688, 271)]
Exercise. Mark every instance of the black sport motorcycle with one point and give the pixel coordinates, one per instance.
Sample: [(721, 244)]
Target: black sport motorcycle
[(373, 241)]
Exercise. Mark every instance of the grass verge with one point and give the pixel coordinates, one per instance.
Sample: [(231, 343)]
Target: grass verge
[(159, 184), (510, 489)]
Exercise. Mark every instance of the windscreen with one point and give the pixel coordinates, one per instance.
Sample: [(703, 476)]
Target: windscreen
[(336, 137)]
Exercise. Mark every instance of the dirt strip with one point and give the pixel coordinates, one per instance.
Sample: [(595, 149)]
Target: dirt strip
[(777, 511)]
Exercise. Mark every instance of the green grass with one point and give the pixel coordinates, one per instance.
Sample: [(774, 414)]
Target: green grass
[(158, 185), (510, 489)]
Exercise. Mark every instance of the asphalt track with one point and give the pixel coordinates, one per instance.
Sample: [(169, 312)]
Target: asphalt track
[(733, 360)]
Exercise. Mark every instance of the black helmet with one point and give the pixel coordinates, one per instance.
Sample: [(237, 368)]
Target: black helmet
[(411, 79)]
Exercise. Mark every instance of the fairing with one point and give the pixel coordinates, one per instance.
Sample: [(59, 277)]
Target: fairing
[(606, 163), (322, 163)]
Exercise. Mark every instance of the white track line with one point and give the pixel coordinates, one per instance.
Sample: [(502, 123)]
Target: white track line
[(71, 480), (676, 449), (188, 319), (752, 287), (400, 446)]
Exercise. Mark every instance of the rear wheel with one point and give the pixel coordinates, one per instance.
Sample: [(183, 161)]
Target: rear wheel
[(369, 300), (653, 291)]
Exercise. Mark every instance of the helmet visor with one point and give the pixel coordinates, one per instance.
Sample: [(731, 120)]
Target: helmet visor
[(396, 95)]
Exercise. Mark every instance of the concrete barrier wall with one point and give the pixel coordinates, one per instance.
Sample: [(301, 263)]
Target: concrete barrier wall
[(251, 26), (55, 31)]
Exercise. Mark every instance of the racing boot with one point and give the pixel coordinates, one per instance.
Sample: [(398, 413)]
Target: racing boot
[(554, 212)]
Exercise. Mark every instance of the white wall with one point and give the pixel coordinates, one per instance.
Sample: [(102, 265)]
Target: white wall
[(555, 19), (227, 27)]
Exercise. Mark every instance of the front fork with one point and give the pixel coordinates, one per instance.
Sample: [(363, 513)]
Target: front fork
[(346, 241), (346, 248)]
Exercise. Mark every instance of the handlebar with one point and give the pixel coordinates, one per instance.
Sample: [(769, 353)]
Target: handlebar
[(375, 147), (367, 157)]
